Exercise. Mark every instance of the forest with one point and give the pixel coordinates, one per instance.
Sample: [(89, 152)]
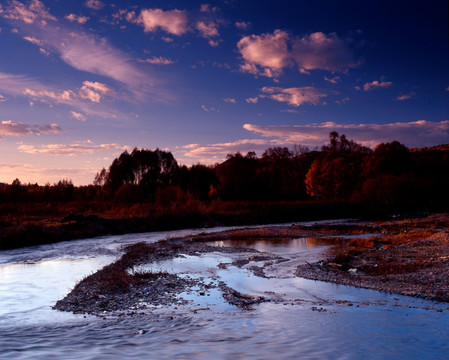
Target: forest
[(342, 178), (342, 170)]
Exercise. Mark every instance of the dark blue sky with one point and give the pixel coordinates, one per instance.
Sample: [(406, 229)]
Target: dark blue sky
[(80, 81)]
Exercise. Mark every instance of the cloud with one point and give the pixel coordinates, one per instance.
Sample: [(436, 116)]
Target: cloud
[(268, 54), (77, 18), (173, 21), (158, 60), (33, 40), (78, 116), (265, 54), (342, 101), (2, 98), (405, 96), (10, 128), (209, 109), (321, 51), (90, 53), (333, 80), (94, 90), (412, 134), (376, 84), (44, 52), (35, 12), (212, 153), (252, 100), (69, 150), (207, 30), (294, 96), (230, 100), (22, 86), (32, 173), (94, 4), (242, 25)]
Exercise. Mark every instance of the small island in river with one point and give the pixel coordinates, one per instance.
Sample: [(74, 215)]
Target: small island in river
[(401, 256)]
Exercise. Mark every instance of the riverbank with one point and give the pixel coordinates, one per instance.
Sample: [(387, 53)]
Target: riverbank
[(35, 224), (407, 256)]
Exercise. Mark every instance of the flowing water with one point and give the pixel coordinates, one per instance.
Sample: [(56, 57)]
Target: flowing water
[(308, 320)]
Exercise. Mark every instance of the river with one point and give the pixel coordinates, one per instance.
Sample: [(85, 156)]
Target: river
[(324, 321)]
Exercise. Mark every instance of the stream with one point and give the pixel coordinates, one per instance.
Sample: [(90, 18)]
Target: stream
[(308, 320)]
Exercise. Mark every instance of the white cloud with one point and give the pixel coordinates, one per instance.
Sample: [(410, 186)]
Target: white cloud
[(412, 134), (230, 100), (35, 12), (94, 4), (69, 150), (252, 100), (269, 54), (376, 84), (158, 60), (11, 128), (78, 116), (265, 54), (77, 18), (2, 98), (173, 21), (294, 96)]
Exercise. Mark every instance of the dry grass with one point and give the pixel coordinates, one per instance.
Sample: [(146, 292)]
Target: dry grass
[(384, 255)]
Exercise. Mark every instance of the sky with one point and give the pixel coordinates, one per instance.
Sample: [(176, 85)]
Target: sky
[(81, 81)]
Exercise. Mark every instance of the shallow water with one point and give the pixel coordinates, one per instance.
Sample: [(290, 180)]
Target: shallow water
[(305, 319)]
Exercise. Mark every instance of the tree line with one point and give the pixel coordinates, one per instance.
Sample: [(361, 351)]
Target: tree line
[(390, 175)]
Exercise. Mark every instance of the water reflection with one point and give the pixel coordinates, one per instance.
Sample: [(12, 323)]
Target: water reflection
[(279, 246)]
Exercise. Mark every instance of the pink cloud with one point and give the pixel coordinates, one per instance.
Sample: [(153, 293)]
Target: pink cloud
[(35, 12), (159, 60), (269, 54), (10, 128), (212, 153), (252, 100), (376, 85), (412, 134), (294, 96), (265, 54), (172, 21), (405, 96), (77, 18), (94, 4), (207, 29), (69, 150), (321, 51), (78, 116)]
